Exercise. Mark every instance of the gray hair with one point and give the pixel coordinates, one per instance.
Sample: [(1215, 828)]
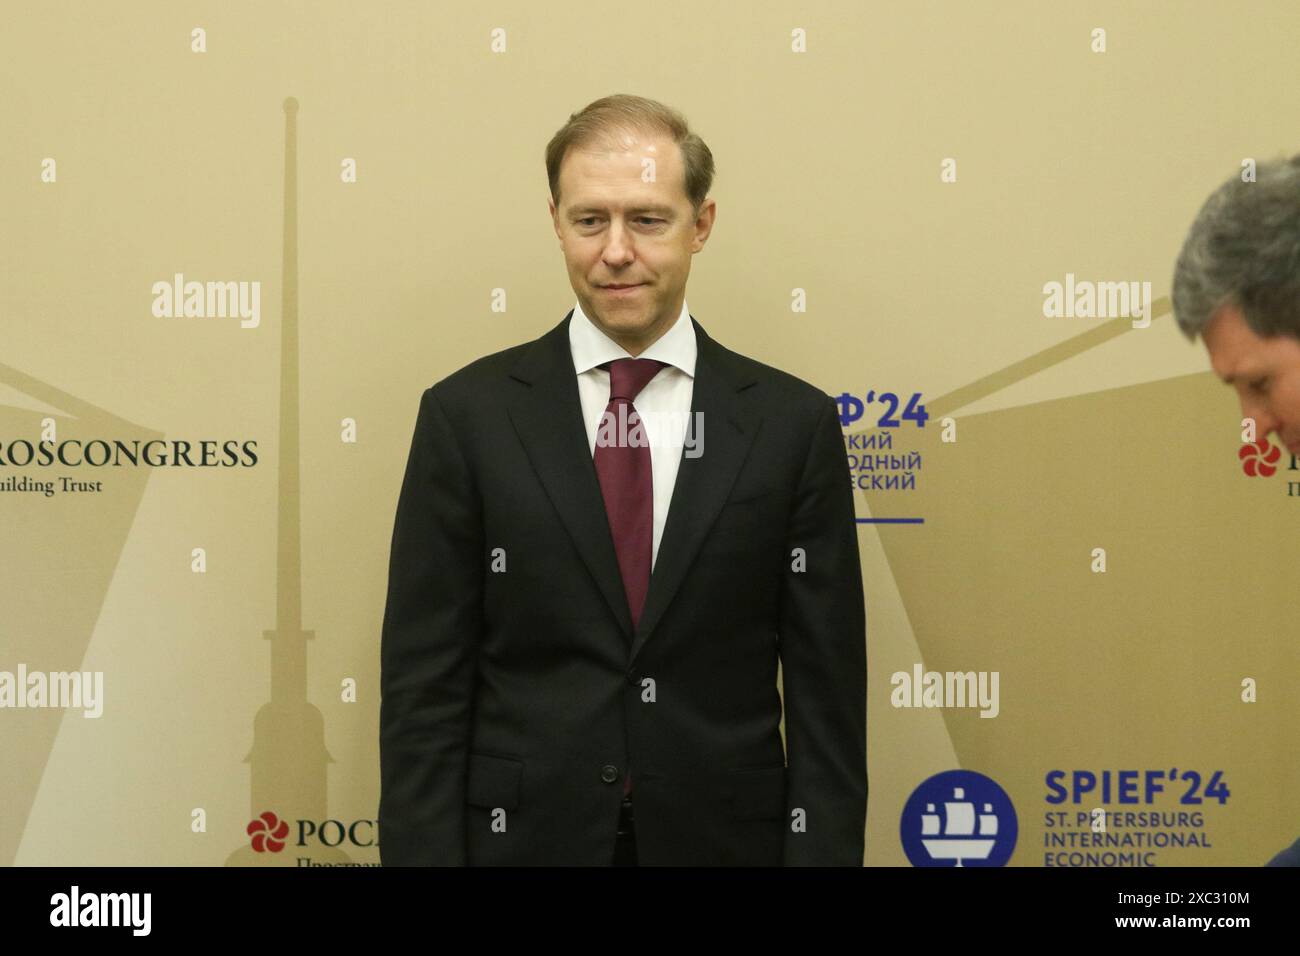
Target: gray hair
[(1244, 248)]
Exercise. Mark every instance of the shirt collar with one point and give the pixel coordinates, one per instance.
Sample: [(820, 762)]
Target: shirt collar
[(591, 346)]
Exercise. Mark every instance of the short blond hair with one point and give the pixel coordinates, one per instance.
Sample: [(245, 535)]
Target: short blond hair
[(601, 123)]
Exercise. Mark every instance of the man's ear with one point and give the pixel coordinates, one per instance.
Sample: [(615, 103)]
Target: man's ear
[(555, 223), (708, 214)]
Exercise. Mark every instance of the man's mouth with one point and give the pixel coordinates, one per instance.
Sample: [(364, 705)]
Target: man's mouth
[(618, 287)]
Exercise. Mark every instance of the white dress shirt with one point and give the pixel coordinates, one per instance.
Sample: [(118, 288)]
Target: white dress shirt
[(665, 399)]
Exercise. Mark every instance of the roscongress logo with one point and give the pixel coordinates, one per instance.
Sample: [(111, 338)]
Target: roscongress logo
[(93, 455), (958, 818), (117, 453), (1259, 459), (269, 834)]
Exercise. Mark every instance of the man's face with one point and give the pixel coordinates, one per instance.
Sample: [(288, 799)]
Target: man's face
[(1264, 371), (617, 230)]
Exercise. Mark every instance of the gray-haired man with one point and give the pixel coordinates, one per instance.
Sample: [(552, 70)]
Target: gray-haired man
[(1237, 285)]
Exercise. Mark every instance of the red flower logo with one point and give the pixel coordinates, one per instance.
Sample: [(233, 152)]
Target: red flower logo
[(1257, 460), (268, 832)]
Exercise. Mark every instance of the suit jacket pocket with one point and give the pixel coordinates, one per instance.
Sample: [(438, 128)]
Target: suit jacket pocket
[(758, 794), (494, 781)]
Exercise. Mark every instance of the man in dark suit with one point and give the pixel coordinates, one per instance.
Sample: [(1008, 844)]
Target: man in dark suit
[(586, 605)]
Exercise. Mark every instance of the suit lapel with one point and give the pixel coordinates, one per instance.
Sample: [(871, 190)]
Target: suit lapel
[(548, 420)]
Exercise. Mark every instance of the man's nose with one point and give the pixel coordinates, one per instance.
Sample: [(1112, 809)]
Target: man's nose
[(618, 250), (1265, 423)]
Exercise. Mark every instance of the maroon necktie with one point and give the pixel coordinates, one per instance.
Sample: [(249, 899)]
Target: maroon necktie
[(626, 483)]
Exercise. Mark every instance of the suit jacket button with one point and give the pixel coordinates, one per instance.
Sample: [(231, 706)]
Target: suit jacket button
[(609, 773)]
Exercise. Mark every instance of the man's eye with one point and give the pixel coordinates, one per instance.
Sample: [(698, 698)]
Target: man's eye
[(1259, 384), (592, 219)]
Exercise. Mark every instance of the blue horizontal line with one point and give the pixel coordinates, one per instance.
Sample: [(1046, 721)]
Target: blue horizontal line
[(891, 521)]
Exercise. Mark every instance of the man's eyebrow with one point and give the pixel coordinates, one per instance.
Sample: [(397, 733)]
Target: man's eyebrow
[(662, 210), (1247, 373)]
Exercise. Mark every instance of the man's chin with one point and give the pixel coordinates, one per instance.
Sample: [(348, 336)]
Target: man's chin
[(623, 316)]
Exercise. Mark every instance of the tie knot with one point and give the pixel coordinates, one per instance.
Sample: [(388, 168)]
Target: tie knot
[(627, 376)]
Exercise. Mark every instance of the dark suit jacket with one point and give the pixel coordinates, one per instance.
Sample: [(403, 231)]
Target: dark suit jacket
[(1288, 857), (515, 693)]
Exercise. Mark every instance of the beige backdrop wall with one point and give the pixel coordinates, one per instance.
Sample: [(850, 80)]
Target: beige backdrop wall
[(830, 124)]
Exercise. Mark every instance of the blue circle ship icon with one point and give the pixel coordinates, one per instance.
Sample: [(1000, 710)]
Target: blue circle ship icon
[(958, 818)]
